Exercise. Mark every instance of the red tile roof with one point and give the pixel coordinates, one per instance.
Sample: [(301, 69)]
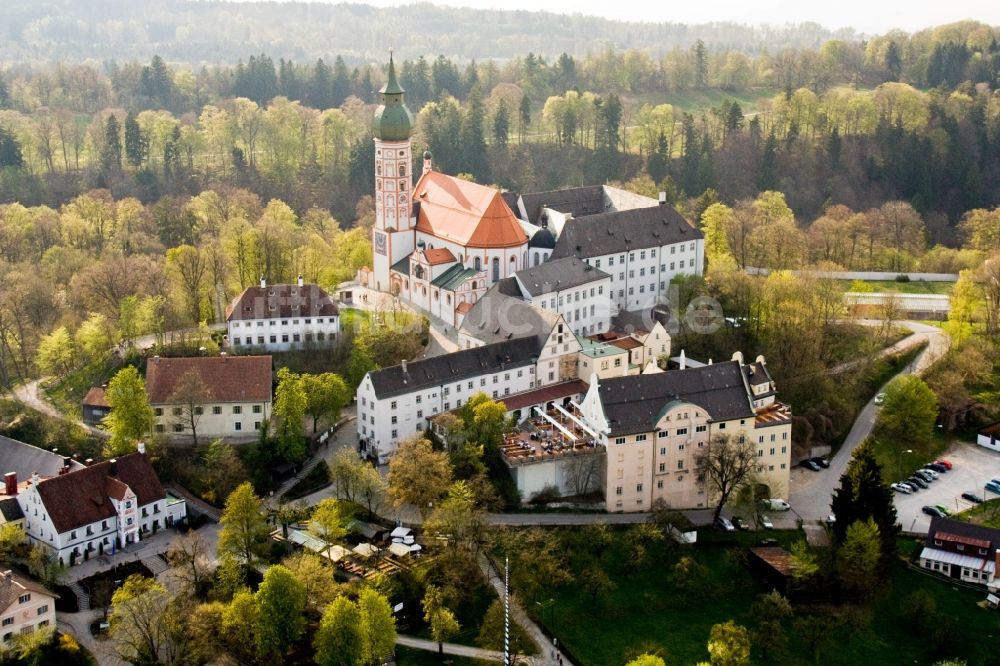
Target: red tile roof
[(957, 538), (466, 213), (464, 307), (281, 301), (226, 378), (95, 397), (439, 255), (83, 497), (627, 342)]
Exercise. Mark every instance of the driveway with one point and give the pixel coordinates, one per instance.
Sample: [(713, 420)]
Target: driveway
[(812, 491), (973, 467)]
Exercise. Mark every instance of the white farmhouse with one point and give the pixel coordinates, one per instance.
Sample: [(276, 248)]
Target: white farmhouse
[(280, 317), (84, 513)]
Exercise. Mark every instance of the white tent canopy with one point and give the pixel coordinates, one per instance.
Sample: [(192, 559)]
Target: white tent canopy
[(399, 550), (365, 550), (400, 532)]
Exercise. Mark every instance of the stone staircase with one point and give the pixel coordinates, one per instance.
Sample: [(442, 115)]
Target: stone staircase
[(155, 564), (82, 598)]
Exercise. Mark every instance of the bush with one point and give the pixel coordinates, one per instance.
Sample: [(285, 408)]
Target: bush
[(547, 494), (902, 277)]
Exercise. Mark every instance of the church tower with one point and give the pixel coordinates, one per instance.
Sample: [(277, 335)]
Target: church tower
[(393, 235)]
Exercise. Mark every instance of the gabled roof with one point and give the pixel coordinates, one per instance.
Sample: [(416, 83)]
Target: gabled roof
[(558, 275), (633, 404), (83, 497), (95, 397), (226, 378), (13, 586), (497, 317), (946, 529), (757, 373), (25, 459), (438, 255), (456, 366), (608, 233), (281, 301), (465, 213), (452, 278)]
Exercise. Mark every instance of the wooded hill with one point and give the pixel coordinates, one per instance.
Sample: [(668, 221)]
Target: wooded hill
[(224, 32)]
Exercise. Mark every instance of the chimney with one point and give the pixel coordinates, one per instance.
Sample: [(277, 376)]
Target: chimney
[(35, 478), (428, 166), (10, 483), (67, 461), (683, 362), (403, 363), (263, 282), (142, 448), (663, 198), (301, 281), (114, 466)]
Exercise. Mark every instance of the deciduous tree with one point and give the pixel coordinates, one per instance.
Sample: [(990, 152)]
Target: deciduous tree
[(727, 465), (244, 528), (418, 475), (131, 416), (729, 645), (281, 601), (338, 640), (440, 619)]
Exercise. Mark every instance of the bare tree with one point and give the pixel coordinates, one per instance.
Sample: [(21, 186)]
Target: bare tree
[(189, 397), (726, 466), (581, 473), (191, 560)]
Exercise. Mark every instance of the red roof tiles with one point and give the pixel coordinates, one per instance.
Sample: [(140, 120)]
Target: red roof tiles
[(83, 497), (95, 397), (226, 378), (466, 213)]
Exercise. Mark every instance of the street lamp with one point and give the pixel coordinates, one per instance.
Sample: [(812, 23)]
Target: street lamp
[(899, 466)]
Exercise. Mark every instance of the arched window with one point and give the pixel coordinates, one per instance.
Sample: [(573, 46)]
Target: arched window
[(473, 287), (477, 264), (536, 259), (402, 169), (496, 269)]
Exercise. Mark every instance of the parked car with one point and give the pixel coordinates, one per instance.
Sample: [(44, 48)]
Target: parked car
[(880, 399), (929, 472), (943, 509), (972, 497), (775, 505), (909, 484), (901, 488), (740, 524), (821, 461), (932, 511), (937, 467), (944, 463), (993, 487), (766, 523), (809, 463), (925, 475), (724, 524), (916, 480)]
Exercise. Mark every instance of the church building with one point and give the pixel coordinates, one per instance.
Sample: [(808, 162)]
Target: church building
[(439, 244)]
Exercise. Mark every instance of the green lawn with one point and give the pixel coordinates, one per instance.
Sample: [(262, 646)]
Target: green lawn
[(913, 287), (987, 513), (646, 611)]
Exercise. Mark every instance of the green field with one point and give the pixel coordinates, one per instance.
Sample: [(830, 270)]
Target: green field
[(646, 611), (696, 100)]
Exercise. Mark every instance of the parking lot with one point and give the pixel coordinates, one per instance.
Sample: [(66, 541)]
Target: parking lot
[(973, 467)]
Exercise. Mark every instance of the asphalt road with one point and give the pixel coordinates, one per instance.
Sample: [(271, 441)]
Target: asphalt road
[(812, 491)]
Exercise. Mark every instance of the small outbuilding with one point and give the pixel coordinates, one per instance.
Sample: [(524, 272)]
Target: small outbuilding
[(989, 437), (95, 406)]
